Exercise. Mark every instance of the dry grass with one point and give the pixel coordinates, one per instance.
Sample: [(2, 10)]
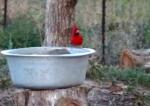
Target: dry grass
[(16, 7)]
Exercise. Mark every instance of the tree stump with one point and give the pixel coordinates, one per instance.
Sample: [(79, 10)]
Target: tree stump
[(135, 58), (87, 94), (74, 96)]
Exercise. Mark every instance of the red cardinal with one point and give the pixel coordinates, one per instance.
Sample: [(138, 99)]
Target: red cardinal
[(76, 37)]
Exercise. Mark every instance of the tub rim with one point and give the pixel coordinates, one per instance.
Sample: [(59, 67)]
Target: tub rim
[(8, 52)]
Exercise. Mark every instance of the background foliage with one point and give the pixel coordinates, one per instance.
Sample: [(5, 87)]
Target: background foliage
[(20, 33), (127, 24)]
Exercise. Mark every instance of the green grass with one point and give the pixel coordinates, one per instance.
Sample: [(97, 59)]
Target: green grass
[(132, 77)]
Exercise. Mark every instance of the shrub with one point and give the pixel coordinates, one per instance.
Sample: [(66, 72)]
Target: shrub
[(22, 32)]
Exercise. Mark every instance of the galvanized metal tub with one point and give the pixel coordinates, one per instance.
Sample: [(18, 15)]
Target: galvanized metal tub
[(33, 68)]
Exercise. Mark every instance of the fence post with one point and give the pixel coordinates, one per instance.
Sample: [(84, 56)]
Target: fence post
[(5, 13), (103, 30)]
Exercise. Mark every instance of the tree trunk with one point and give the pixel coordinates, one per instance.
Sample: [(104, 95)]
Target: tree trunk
[(59, 19)]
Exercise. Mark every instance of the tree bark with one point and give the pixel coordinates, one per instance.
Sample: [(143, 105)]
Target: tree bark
[(59, 97), (58, 21)]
